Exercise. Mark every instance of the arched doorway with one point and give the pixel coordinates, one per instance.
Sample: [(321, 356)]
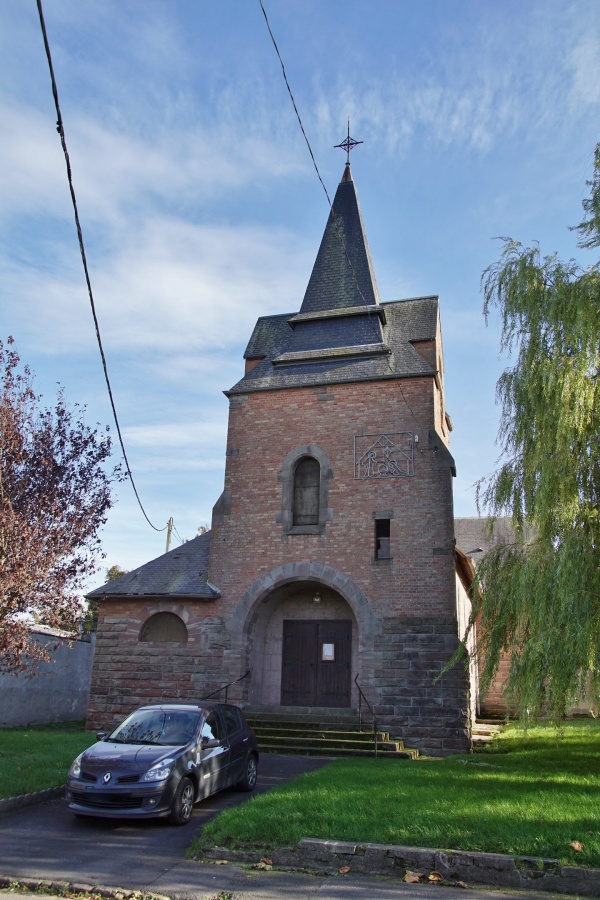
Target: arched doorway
[(314, 624), (303, 648)]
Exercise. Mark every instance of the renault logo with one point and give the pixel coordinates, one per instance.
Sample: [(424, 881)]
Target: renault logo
[(106, 778)]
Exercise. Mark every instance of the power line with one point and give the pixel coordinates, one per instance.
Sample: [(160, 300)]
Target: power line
[(312, 156), (60, 129)]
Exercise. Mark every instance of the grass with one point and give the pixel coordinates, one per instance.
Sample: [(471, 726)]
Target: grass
[(528, 794), (36, 757)]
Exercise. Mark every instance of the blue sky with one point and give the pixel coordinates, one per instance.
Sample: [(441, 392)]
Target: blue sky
[(201, 209)]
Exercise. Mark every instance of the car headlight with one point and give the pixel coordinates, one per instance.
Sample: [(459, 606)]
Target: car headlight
[(75, 770), (159, 772)]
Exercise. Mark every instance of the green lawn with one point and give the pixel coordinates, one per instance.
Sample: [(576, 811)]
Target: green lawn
[(38, 757), (528, 794)]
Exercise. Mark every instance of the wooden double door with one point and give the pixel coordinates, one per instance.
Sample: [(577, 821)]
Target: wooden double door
[(316, 662)]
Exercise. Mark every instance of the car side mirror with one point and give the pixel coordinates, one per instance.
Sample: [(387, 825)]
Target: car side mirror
[(100, 735), (207, 743)]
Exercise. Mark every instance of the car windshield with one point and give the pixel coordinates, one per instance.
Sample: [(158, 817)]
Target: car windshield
[(157, 726)]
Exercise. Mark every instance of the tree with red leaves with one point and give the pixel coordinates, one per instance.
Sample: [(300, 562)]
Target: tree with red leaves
[(55, 494)]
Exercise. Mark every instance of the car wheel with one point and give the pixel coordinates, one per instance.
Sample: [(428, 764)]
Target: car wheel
[(248, 782), (183, 803)]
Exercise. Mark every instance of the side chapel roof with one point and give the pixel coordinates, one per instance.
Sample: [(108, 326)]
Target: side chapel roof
[(182, 572)]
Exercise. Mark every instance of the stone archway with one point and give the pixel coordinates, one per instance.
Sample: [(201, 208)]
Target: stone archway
[(287, 595)]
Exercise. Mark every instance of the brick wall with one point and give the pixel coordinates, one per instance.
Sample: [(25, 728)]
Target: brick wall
[(412, 595), (265, 426)]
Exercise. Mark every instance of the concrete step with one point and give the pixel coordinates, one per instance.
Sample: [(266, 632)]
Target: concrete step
[(347, 741)]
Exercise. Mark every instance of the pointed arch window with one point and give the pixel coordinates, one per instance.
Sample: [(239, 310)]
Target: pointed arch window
[(307, 492)]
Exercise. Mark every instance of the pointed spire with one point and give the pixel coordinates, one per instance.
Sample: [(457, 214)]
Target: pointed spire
[(342, 275), (341, 307)]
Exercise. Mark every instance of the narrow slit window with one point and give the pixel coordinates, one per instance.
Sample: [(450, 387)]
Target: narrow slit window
[(382, 539)]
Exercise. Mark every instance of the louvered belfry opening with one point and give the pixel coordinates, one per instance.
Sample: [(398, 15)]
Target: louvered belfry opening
[(307, 488)]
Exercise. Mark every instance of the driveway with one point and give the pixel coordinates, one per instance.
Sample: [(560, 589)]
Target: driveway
[(48, 841)]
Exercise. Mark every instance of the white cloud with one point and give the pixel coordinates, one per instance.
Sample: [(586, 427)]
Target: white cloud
[(584, 59)]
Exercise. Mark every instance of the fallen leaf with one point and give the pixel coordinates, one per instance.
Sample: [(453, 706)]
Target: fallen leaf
[(262, 865), (412, 877), (221, 862), (576, 845), (266, 860), (460, 884), (435, 877), (344, 870)]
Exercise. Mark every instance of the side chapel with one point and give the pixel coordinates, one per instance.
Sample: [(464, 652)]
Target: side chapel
[(331, 561)]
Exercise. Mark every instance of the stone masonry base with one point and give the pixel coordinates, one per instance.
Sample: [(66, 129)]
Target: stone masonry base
[(500, 870)]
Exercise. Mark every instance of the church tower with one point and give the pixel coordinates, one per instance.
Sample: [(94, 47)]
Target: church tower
[(332, 544), (330, 568)]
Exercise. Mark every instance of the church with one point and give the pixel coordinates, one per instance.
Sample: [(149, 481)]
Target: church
[(331, 573)]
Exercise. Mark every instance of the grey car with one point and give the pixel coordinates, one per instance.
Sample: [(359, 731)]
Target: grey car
[(161, 760)]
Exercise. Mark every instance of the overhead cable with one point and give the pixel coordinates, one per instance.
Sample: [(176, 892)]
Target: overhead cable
[(61, 132)]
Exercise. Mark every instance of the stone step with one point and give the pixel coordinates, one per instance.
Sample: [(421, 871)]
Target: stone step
[(305, 734), (347, 741), (485, 732), (406, 753), (291, 731), (324, 716)]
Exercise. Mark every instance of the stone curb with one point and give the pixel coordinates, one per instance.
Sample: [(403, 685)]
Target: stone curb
[(499, 870), (61, 888), (11, 803)]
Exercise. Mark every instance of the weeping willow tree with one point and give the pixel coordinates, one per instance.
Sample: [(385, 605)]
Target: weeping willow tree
[(537, 598)]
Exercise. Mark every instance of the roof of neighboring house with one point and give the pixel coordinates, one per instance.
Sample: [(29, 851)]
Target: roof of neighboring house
[(182, 572), (474, 538), (342, 332)]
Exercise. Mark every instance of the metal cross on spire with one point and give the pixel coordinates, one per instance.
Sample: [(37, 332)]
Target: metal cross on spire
[(348, 145)]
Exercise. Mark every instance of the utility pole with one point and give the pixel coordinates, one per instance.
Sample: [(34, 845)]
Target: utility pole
[(169, 533)]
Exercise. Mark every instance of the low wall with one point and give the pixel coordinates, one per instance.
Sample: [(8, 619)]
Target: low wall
[(58, 691)]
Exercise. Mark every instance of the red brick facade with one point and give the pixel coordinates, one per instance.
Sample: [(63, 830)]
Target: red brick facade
[(412, 628)]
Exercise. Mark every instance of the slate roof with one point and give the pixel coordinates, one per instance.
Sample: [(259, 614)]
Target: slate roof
[(342, 277), (473, 533), (407, 321), (182, 572), (342, 331)]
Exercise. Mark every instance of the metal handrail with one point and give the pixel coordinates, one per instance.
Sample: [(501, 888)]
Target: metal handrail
[(361, 698), (226, 687)]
